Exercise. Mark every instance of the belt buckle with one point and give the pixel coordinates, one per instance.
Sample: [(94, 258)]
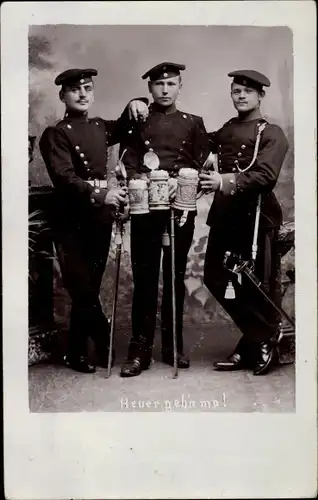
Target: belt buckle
[(96, 183)]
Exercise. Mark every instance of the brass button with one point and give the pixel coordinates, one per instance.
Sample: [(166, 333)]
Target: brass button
[(129, 131), (85, 162), (92, 200), (232, 192), (239, 154), (233, 169), (150, 149), (77, 148), (243, 146), (220, 161), (184, 116), (69, 126), (147, 143), (236, 162), (96, 123), (97, 190), (82, 155)]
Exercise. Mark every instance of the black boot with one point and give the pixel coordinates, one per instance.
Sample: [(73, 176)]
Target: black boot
[(182, 360), (134, 366), (79, 364), (243, 357), (267, 357), (233, 362)]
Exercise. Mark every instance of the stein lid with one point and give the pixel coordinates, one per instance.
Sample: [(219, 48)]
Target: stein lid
[(151, 160), (159, 174)]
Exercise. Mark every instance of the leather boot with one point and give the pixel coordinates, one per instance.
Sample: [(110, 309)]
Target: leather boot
[(233, 362), (80, 364), (182, 360), (134, 366), (267, 356)]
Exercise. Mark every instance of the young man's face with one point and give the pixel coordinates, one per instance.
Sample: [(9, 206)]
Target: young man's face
[(78, 97), (165, 91), (245, 98)]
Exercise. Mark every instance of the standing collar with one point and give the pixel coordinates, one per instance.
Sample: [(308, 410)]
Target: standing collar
[(163, 109), (76, 116), (254, 115)]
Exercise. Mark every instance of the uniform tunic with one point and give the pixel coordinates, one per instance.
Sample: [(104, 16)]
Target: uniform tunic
[(232, 219), (180, 140), (74, 151)]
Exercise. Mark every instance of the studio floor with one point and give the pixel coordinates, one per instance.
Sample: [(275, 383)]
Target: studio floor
[(55, 388)]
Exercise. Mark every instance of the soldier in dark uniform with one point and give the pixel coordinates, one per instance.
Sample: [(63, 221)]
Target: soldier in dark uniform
[(179, 140), (250, 154), (75, 154)]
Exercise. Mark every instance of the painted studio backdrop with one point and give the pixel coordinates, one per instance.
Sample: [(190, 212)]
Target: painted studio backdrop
[(122, 54)]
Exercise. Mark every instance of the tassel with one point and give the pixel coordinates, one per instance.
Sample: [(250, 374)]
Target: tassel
[(229, 292), (165, 239), (183, 219)]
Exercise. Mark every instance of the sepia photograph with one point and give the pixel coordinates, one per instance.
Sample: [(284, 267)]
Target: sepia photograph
[(208, 148), (159, 249)]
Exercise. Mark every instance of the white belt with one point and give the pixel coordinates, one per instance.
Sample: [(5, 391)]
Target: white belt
[(98, 183)]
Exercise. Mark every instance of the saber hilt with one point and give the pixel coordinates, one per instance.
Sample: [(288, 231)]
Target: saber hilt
[(236, 266)]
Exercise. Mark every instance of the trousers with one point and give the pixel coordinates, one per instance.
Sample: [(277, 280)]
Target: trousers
[(146, 252), (254, 316), (82, 250)]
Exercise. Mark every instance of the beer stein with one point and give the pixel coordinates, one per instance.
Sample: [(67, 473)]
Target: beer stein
[(138, 196), (159, 190), (187, 186)]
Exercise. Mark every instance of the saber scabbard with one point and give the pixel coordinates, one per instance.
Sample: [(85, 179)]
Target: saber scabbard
[(118, 243), (243, 267), (173, 277)]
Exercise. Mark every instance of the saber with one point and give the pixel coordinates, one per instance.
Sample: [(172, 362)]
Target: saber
[(121, 177), (118, 243), (243, 267), (173, 276)]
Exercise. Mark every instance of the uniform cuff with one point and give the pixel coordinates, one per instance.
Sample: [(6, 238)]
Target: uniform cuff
[(98, 196), (228, 184)]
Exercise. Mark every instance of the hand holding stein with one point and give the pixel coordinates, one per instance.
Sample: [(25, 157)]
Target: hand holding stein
[(116, 196), (210, 182)]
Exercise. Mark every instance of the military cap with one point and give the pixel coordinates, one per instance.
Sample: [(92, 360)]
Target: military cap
[(164, 70), (250, 78), (72, 76)]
